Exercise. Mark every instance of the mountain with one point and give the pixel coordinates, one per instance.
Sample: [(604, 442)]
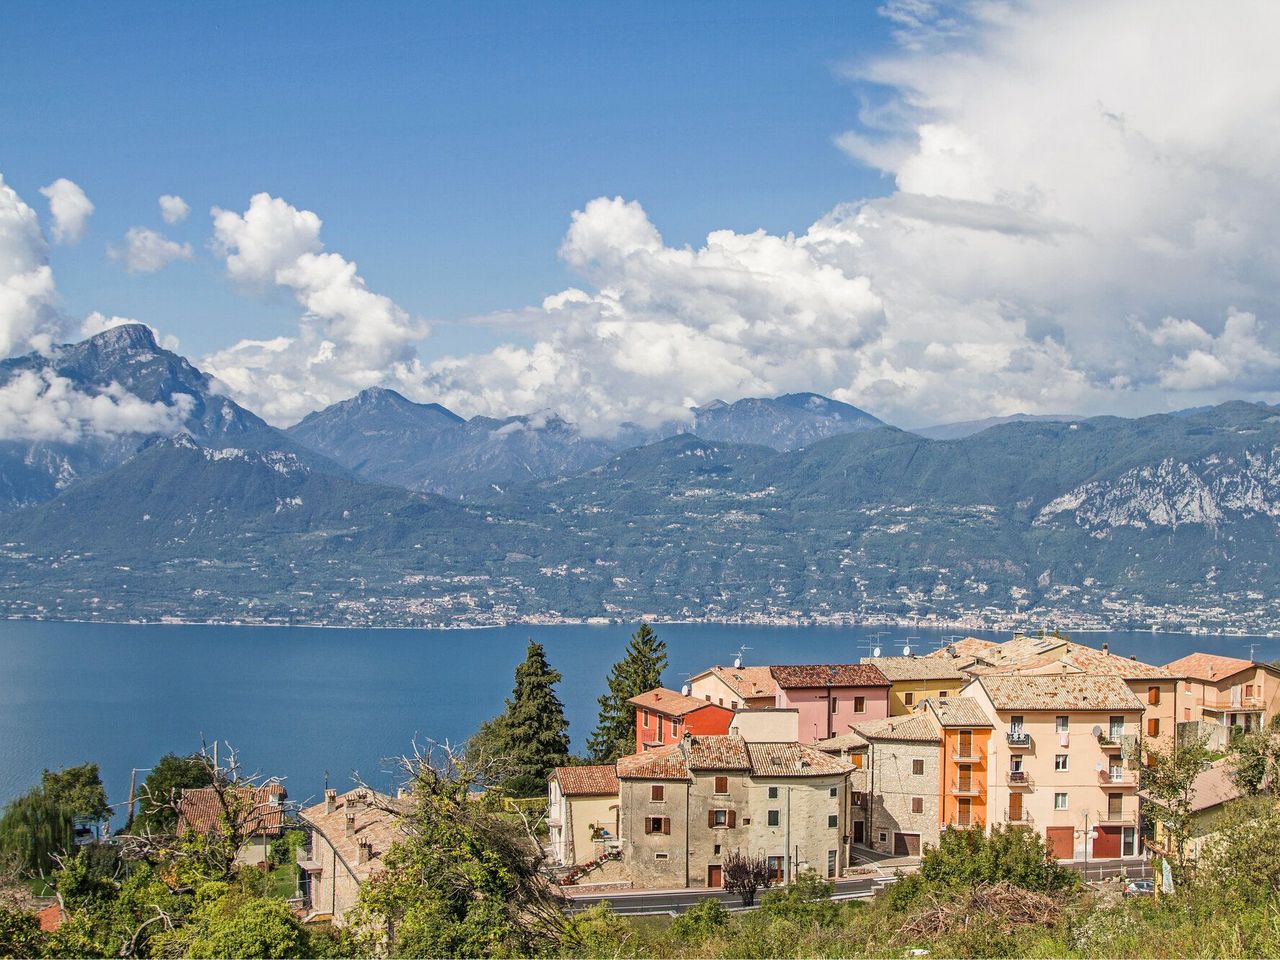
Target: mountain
[(128, 357), (966, 428), (783, 423)]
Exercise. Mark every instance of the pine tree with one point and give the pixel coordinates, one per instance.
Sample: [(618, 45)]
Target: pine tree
[(639, 670), (532, 734)]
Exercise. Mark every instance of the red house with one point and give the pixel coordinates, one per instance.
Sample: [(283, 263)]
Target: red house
[(664, 716)]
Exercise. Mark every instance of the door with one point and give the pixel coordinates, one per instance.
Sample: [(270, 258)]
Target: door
[(858, 835), (1115, 806), (964, 811), (1015, 808), (1107, 843), (965, 782), (1062, 842), (715, 875), (966, 743), (906, 844), (831, 864)]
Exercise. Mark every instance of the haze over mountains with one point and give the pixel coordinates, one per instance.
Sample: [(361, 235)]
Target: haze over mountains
[(381, 510)]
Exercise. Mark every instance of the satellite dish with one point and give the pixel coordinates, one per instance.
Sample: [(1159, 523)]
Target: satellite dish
[(685, 690), (1098, 766), (875, 652), (737, 663), (906, 651), (1097, 730)]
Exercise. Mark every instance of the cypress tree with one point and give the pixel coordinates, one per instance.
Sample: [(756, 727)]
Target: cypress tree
[(639, 670), (532, 733)]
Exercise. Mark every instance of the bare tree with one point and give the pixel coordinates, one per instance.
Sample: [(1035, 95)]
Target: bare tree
[(745, 874)]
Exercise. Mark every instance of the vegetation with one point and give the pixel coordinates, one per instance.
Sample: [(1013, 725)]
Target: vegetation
[(159, 793), (34, 830), (745, 874), (1168, 780), (639, 670), (79, 790)]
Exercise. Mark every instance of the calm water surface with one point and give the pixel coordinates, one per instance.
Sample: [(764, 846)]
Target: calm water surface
[(299, 701)]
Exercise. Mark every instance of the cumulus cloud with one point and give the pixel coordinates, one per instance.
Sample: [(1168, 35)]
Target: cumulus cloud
[(146, 251), (44, 406), (28, 295), (348, 337), (69, 209), (173, 208)]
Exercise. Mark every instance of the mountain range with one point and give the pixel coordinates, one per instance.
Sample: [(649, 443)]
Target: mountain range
[(380, 510)]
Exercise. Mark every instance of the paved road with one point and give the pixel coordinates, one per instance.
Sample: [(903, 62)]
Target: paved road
[(678, 901)]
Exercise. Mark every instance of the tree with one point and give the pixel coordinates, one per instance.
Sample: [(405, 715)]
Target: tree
[(1169, 779), (744, 875), (531, 737), (1242, 855), (234, 923), (464, 880), (79, 790), (639, 670), (1010, 854), (159, 793), (35, 829), (1253, 758)]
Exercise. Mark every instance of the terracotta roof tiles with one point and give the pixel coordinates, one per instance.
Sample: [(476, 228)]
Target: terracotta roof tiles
[(915, 668), (829, 675), (259, 810), (1208, 667), (958, 712), (375, 821), (1059, 692), (669, 702), (914, 728), (793, 760), (599, 780)]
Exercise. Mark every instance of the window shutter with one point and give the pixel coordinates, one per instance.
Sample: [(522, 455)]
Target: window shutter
[(711, 818), (666, 824), (733, 818), (648, 825)]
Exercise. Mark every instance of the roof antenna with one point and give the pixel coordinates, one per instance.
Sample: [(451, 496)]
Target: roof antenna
[(737, 661), (906, 650), (1253, 649)]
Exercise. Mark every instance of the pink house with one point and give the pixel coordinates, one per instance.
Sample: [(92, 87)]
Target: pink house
[(831, 696)]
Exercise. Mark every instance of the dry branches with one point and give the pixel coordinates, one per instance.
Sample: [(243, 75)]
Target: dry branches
[(1003, 904)]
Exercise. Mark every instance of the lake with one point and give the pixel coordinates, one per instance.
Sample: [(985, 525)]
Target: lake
[(297, 702)]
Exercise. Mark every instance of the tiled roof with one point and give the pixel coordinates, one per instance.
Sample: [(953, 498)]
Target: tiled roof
[(1059, 692), (661, 763), (829, 675), (914, 728), (377, 822), (842, 741), (958, 712), (259, 810), (746, 682), (600, 780), (967, 649), (915, 668), (669, 702), (793, 760), (1207, 666), (1055, 655), (726, 752)]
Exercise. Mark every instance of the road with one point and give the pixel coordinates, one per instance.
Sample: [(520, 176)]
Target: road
[(678, 901)]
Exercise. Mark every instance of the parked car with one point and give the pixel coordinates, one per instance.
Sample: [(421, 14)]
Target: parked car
[(1139, 888)]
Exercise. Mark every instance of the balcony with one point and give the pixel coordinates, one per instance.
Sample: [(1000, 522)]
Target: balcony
[(960, 756), (966, 788), (1118, 778), (1018, 739), (1019, 779), (1018, 818), (1125, 817), (956, 823), (1111, 741)]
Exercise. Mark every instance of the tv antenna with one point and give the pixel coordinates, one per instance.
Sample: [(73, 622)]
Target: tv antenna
[(1253, 649), (737, 661), (906, 650)]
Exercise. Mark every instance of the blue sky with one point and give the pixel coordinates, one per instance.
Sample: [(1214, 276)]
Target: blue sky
[(935, 210), (444, 145)]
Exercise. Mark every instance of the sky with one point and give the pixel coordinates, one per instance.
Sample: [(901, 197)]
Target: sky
[(934, 212)]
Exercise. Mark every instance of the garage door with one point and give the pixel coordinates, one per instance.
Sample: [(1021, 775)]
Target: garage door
[(1062, 842), (906, 844), (1107, 843)]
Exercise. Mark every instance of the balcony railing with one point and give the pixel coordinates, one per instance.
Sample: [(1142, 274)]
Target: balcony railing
[(1018, 739), (960, 756), (956, 823), (1118, 778), (1019, 818), (1018, 778), (1110, 741), (971, 788), (1118, 816)]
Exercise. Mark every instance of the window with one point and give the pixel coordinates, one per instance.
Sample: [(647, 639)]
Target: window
[(776, 865), (721, 699), (942, 694), (1061, 724), (1153, 726), (917, 804), (721, 818), (835, 704), (857, 759), (833, 821), (707, 698), (1015, 763), (859, 704), (717, 849), (657, 793), (1015, 726), (773, 793), (1248, 689), (1186, 686), (917, 767), (722, 784), (657, 824), (1186, 714), (1060, 762), (1129, 842), (660, 719), (1115, 728), (835, 792), (1153, 695), (884, 837), (831, 863), (858, 798), (908, 698), (661, 856), (1059, 801), (646, 719), (774, 818)]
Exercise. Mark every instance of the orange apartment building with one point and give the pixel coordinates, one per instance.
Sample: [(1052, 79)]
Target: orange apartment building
[(664, 716), (966, 750)]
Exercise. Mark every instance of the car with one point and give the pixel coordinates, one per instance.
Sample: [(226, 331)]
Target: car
[(1139, 888)]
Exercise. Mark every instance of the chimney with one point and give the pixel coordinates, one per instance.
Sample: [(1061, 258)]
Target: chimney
[(1105, 647), (351, 824), (364, 851), (330, 801)]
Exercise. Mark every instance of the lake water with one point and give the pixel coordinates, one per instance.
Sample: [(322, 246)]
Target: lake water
[(298, 702)]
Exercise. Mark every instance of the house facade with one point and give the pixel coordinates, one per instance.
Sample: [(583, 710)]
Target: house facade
[(582, 813), (831, 698), (684, 807), (1062, 760), (1220, 693), (664, 716), (966, 761), (915, 679), (735, 687)]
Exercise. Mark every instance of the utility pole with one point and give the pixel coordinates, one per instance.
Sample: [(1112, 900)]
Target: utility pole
[(133, 792)]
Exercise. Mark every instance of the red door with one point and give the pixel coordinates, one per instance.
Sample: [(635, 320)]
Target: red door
[(715, 876), (1107, 843), (1062, 842)]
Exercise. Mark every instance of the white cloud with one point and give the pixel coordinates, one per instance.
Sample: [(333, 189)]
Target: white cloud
[(173, 208), (348, 338), (69, 208), (44, 406), (146, 251), (96, 323), (28, 295), (1237, 357)]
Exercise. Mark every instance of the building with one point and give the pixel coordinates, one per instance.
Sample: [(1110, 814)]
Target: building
[(582, 813), (1219, 693), (914, 679), (831, 698), (664, 716), (966, 761), (349, 836), (1062, 759), (259, 813), (686, 806), (735, 687), (964, 651), (1211, 791)]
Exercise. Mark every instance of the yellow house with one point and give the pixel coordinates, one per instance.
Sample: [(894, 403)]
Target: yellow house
[(582, 813), (1211, 791), (916, 679)]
